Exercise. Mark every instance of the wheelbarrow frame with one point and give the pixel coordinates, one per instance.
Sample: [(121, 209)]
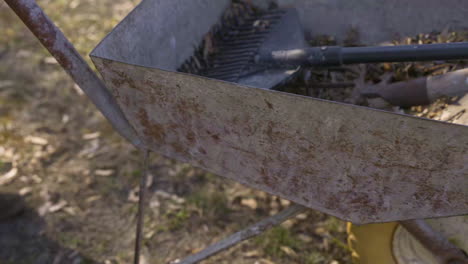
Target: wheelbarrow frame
[(67, 56)]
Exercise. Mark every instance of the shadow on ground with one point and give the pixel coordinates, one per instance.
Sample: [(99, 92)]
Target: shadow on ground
[(23, 241)]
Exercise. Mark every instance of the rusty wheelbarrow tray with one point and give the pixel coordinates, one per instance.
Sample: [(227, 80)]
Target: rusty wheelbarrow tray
[(359, 164)]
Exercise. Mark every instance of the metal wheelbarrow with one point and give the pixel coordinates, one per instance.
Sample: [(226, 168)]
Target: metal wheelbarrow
[(359, 164)]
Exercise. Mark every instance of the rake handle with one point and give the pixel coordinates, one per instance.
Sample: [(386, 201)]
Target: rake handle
[(336, 56)]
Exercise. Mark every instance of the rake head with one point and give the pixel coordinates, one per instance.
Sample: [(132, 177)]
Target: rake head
[(228, 52)]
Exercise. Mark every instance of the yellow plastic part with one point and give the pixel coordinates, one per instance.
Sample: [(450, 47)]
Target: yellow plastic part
[(372, 243)]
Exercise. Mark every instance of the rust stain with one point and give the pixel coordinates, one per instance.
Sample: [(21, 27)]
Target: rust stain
[(243, 125), (124, 78), (179, 148), (152, 99), (43, 29), (276, 134), (270, 105), (189, 106), (296, 182), (126, 100), (332, 203), (265, 178), (152, 130), (202, 150), (365, 203), (191, 138), (215, 138), (117, 82)]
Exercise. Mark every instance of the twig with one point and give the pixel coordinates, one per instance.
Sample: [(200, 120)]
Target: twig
[(252, 231), (141, 207)]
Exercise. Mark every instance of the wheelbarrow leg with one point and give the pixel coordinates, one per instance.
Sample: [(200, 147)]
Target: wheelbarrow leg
[(58, 45)]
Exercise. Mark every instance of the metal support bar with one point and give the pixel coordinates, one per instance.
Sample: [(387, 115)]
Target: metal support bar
[(445, 251), (58, 45), (251, 231), (141, 208), (335, 56)]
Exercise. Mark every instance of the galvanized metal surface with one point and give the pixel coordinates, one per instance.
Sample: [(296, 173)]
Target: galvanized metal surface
[(161, 33), (359, 164), (72, 62)]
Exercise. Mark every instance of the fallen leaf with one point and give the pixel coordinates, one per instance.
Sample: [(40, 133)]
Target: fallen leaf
[(150, 234), (36, 140), (173, 207), (264, 261), (133, 195), (288, 223), (252, 254), (289, 251), (93, 198), (50, 60), (177, 199), (304, 238), (163, 194), (195, 250), (58, 206), (91, 136), (25, 191), (43, 209), (143, 259), (154, 203), (150, 180), (249, 202), (103, 172), (285, 203), (320, 231), (65, 118), (9, 176), (36, 178), (302, 216), (78, 89), (70, 210), (90, 149)]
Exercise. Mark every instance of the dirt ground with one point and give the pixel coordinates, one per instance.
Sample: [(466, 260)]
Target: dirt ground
[(79, 178)]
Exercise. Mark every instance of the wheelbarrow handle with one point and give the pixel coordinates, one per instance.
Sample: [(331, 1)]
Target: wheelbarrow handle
[(68, 57), (336, 56)]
